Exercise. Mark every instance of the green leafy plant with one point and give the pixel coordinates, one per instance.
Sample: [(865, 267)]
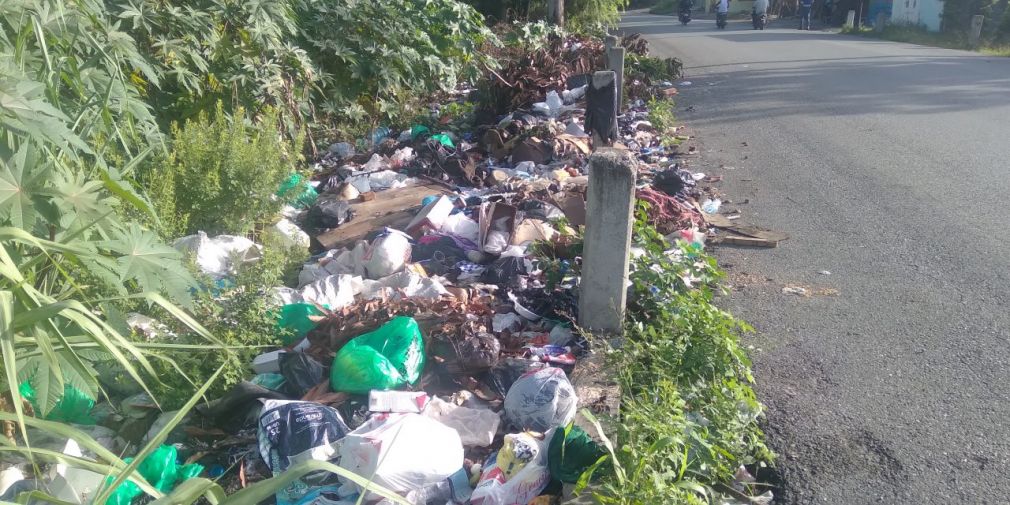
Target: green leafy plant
[(389, 53), (689, 417), (581, 16), (661, 116), (240, 315), (220, 175)]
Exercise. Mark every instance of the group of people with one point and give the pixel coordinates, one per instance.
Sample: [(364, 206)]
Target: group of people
[(806, 8)]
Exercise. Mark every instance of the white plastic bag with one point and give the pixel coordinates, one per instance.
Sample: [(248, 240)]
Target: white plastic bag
[(388, 254), (404, 452), (496, 242), (461, 226), (334, 291), (219, 256), (411, 284), (290, 235), (541, 400), (516, 474), (476, 427)]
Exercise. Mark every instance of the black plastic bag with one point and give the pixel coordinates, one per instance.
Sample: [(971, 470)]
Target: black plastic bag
[(538, 209), (239, 408), (505, 271), (301, 373), (293, 431), (479, 352), (329, 212), (669, 182)]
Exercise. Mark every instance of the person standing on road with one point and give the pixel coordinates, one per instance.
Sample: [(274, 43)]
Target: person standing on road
[(805, 7)]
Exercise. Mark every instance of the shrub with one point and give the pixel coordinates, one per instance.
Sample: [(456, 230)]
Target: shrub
[(240, 316), (373, 57), (220, 174)]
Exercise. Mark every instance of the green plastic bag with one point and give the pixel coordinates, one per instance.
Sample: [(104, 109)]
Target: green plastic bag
[(73, 407), (571, 453), (160, 470), (386, 358), (418, 130), (443, 139), (295, 187), (295, 317), (271, 381)]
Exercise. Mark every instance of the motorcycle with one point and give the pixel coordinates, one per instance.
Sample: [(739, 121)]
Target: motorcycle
[(759, 20), (685, 16), (720, 20)]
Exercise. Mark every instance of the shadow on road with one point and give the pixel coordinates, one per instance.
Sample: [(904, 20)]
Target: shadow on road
[(930, 85)]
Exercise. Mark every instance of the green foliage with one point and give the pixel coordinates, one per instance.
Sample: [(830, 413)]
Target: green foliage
[(67, 79), (372, 56), (581, 16), (661, 114), (653, 70), (240, 316), (689, 417), (240, 52), (665, 7), (530, 36), (996, 45), (593, 16), (220, 174)]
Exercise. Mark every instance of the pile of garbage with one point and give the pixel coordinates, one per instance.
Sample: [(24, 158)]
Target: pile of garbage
[(435, 329)]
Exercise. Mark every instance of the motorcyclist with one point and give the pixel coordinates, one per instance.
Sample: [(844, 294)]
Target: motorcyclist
[(684, 11)]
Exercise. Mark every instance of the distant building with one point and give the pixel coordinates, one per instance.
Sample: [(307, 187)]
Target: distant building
[(918, 12)]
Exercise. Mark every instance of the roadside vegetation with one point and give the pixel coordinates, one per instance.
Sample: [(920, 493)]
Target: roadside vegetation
[(126, 125), (919, 35)]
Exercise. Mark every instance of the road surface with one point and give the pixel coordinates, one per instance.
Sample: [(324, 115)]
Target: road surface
[(889, 166)]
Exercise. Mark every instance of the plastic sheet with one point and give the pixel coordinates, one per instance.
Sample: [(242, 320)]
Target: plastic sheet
[(402, 452)]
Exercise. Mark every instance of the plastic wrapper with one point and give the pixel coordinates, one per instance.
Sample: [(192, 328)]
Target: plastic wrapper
[(516, 474), (402, 452), (387, 358), (291, 432), (541, 400), (476, 427)]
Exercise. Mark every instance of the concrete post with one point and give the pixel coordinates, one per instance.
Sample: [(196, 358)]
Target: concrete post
[(975, 34), (556, 12), (610, 203), (610, 41), (615, 62), (850, 20), (601, 108), (878, 25)]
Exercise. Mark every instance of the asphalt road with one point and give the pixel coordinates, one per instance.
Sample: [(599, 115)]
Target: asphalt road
[(889, 166)]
